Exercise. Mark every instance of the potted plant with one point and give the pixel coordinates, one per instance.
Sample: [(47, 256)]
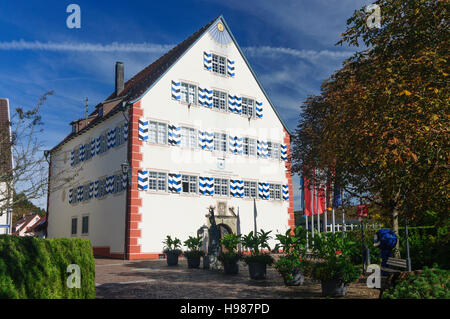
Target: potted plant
[(257, 261), (194, 244), (336, 270), (292, 266), (172, 250), (229, 256)]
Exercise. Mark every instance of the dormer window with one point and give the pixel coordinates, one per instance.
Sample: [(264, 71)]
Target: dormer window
[(100, 111), (219, 64), (74, 128)]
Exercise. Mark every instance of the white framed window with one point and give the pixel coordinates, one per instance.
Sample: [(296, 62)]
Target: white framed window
[(101, 187), (86, 192), (248, 107), (219, 64), (118, 186), (188, 93), (76, 155), (275, 191), (103, 144), (220, 100), (87, 154), (85, 225), (120, 139), (273, 150), (221, 186), (189, 184), (250, 189), (157, 181), (249, 146), (220, 142), (189, 137), (74, 224), (157, 132)]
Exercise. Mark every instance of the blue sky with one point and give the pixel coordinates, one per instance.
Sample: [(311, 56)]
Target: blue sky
[(290, 45)]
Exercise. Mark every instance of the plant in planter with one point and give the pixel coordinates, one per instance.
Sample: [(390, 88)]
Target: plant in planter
[(229, 256), (172, 250), (194, 244), (336, 270), (257, 261), (292, 266)]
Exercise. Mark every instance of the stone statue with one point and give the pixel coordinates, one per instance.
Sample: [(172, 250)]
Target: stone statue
[(213, 242)]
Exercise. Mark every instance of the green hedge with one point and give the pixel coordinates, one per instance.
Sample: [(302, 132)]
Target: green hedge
[(37, 268), (423, 284)]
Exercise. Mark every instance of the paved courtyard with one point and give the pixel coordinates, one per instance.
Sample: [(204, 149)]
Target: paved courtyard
[(154, 279)]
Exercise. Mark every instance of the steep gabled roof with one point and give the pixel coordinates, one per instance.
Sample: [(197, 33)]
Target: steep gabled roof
[(138, 84)]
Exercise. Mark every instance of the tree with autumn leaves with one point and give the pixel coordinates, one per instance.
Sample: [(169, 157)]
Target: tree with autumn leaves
[(380, 127)]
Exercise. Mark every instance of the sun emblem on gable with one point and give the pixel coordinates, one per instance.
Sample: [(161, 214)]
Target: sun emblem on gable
[(220, 27)]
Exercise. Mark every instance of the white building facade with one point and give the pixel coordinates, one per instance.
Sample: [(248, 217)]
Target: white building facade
[(196, 129)]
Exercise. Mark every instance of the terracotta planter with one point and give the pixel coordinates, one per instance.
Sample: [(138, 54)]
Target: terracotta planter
[(334, 288)]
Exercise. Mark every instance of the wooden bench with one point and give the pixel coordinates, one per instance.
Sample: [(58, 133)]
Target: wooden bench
[(397, 266)]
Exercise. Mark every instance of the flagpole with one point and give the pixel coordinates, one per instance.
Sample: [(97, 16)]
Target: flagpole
[(325, 212), (312, 209), (317, 208), (303, 202)]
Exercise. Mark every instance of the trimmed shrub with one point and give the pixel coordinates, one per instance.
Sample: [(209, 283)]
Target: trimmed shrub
[(37, 268), (425, 284)]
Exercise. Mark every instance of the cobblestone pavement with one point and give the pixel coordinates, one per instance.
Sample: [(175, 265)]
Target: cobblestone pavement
[(154, 279)]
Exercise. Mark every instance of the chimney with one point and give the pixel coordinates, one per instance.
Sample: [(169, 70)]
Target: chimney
[(119, 78)]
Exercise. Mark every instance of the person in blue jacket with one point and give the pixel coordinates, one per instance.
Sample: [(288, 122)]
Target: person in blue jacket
[(385, 239)]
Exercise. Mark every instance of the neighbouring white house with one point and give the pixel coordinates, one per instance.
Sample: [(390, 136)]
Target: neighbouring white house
[(5, 168), (24, 224), (192, 130)]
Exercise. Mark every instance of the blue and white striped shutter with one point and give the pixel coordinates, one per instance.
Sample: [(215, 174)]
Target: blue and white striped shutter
[(285, 192), (207, 61), (237, 188), (91, 189), (72, 158), (125, 131), (124, 180), (176, 90), (111, 138), (230, 66), (235, 104), (262, 149), (96, 189), (263, 190), (259, 109), (205, 97), (110, 184), (174, 135), (206, 185), (71, 196), (283, 152), (97, 145), (174, 182), (209, 141), (93, 147), (201, 139), (82, 153), (236, 145), (80, 194), (142, 180), (143, 130)]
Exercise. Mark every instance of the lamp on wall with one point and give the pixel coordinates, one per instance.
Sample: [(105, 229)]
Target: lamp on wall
[(249, 117)]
